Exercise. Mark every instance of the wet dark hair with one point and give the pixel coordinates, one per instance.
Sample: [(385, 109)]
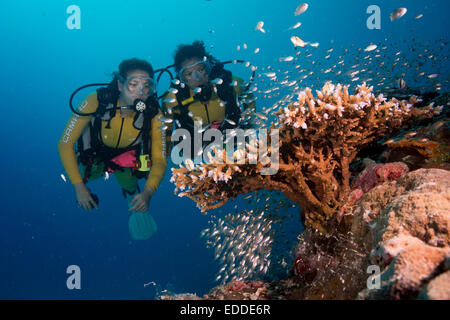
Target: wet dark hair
[(134, 64), (188, 51)]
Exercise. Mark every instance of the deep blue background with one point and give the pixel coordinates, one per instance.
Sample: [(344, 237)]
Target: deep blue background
[(42, 62)]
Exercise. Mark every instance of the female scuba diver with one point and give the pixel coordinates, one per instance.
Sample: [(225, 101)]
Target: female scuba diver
[(203, 91), (118, 142)]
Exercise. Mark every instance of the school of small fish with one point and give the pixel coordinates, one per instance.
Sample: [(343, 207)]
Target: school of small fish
[(384, 65), (248, 244)]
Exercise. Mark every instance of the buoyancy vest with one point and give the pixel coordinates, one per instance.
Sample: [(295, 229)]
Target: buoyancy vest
[(90, 143)]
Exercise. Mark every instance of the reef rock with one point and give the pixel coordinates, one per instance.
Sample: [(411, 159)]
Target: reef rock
[(399, 227), (437, 289), (406, 223)]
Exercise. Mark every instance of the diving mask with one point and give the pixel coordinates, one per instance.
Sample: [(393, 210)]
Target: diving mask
[(140, 85), (196, 71)]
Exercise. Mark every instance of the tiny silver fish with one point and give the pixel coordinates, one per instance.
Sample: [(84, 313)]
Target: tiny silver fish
[(287, 59), (261, 116), (218, 81), (301, 9), (400, 83), (259, 26), (298, 42), (169, 100), (270, 74), (295, 26), (370, 47), (166, 120), (398, 13)]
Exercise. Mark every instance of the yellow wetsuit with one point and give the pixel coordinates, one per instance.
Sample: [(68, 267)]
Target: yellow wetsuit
[(122, 134), (211, 110)]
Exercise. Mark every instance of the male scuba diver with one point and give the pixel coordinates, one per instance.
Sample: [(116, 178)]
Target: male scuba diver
[(204, 92), (117, 131)]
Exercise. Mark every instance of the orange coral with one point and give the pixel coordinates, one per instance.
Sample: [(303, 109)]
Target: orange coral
[(421, 147)]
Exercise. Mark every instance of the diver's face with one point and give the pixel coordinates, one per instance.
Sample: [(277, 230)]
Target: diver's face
[(194, 73), (137, 85)]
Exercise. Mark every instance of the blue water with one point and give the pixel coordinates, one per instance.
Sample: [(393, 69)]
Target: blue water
[(42, 62)]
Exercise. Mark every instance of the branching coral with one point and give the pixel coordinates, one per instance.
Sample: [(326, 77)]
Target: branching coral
[(319, 138)]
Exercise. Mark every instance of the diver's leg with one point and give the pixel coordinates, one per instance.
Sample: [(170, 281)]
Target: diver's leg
[(92, 172), (140, 224), (127, 182)]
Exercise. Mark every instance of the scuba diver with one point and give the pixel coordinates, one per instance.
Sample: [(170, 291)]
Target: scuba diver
[(204, 91), (117, 131)]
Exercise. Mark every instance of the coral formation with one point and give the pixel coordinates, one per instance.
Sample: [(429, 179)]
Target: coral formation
[(392, 215), (426, 147), (319, 138), (376, 173), (401, 226)]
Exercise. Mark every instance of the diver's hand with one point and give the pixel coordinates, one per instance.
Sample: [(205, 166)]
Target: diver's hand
[(84, 197), (141, 201)]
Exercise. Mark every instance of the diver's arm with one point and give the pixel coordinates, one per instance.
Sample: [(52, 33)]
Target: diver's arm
[(158, 161), (158, 167), (84, 197), (66, 143)]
